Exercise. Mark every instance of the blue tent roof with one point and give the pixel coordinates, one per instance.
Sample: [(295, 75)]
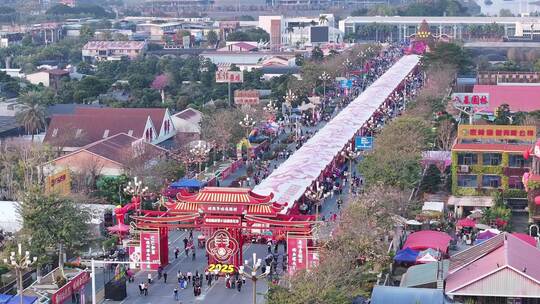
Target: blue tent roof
[(406, 255), (4, 298), (26, 300), (390, 294), (187, 183)]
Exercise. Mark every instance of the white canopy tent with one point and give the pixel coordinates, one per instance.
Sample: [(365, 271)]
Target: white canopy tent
[(433, 206), (290, 180)]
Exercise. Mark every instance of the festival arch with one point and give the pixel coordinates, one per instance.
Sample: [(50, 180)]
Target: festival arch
[(226, 218)]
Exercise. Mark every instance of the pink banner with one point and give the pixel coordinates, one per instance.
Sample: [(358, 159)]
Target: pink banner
[(74, 285), (150, 250), (297, 254)]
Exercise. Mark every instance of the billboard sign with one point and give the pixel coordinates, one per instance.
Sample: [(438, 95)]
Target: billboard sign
[(525, 133), (363, 142), (150, 250), (223, 76), (59, 183), (76, 284), (297, 253), (477, 100), (246, 97)]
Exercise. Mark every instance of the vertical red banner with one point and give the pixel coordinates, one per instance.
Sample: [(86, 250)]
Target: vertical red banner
[(313, 258), (297, 254), (150, 250)]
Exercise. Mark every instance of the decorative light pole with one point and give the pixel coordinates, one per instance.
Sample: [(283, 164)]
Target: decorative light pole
[(247, 123), (290, 97), (347, 64), (136, 189), (250, 272), (324, 78), (199, 152), (20, 263), (271, 108), (350, 154)]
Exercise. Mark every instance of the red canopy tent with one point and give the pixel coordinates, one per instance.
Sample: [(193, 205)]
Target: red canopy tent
[(425, 239), (526, 238), (466, 222)]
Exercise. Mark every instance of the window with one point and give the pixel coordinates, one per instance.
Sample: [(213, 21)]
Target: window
[(467, 180), (491, 181), (491, 159), (514, 182), (516, 161), (467, 159)]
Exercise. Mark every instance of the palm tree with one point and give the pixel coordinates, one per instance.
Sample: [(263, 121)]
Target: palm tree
[(323, 19), (290, 31), (31, 112)]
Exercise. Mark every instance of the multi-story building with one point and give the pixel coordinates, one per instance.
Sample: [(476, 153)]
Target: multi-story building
[(489, 158), (112, 50)]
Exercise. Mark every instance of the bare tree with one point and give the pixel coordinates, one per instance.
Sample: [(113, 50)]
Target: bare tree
[(446, 133)]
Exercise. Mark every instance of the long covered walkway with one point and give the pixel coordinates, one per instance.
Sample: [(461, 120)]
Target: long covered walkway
[(290, 181)]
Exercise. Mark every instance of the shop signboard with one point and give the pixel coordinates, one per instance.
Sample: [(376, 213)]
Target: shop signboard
[(497, 132), (76, 284), (475, 100), (150, 250), (297, 253), (223, 76), (246, 97)]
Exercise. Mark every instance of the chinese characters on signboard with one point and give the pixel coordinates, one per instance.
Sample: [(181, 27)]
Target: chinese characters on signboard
[(477, 100), (297, 253), (246, 97), (150, 250), (223, 76), (75, 285), (222, 221), (526, 133), (59, 183)]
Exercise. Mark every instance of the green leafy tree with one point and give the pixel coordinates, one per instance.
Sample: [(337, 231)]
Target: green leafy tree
[(449, 54), (395, 160), (212, 38), (110, 188), (31, 113), (86, 32), (50, 220), (432, 180), (317, 54)]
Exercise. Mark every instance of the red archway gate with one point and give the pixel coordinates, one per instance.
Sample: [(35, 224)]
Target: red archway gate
[(226, 217)]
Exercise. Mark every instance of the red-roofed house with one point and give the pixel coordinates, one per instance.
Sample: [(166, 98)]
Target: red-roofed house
[(110, 156), (88, 125), (239, 47), (519, 97), (160, 117), (502, 269)]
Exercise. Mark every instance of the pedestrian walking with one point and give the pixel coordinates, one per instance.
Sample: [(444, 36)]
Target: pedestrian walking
[(185, 242), (189, 275), (193, 255), (141, 289), (176, 252), (175, 291), (149, 278), (239, 285), (165, 277), (178, 275), (145, 289)]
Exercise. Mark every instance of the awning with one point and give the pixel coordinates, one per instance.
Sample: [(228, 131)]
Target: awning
[(471, 201), (187, 183), (406, 255), (433, 206), (466, 222)]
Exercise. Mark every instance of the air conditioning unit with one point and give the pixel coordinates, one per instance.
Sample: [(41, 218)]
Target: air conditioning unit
[(463, 169)]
